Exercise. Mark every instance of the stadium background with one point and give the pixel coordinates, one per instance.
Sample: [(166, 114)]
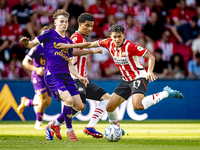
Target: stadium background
[(186, 108)]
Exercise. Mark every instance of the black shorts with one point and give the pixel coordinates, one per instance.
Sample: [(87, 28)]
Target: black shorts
[(126, 88), (92, 91)]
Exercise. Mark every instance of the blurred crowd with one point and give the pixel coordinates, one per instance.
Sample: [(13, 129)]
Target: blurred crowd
[(167, 28)]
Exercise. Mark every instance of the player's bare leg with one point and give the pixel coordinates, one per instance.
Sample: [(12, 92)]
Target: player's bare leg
[(45, 101)]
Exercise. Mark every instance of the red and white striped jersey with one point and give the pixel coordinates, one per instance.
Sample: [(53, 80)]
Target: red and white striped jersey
[(3, 12), (167, 48), (126, 58), (142, 15), (79, 61)]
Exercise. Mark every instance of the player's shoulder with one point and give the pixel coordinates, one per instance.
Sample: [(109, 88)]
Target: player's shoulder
[(132, 45), (46, 31), (77, 37), (107, 40)]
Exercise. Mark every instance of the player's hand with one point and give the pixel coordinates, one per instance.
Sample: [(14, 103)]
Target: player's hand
[(84, 80), (151, 76), (40, 71), (97, 50), (25, 41), (63, 46)]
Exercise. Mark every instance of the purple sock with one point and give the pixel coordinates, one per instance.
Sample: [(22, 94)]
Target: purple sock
[(39, 116), (30, 102), (67, 113), (60, 119)]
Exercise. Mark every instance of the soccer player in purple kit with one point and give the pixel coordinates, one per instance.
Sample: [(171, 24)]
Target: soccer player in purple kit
[(57, 70), (35, 62)]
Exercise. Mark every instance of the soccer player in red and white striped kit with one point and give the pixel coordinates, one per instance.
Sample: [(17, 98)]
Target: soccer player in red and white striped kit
[(134, 77)]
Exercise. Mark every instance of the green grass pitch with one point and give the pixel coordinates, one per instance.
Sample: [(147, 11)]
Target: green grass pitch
[(144, 135)]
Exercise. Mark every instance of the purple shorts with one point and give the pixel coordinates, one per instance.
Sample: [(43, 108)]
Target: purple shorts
[(60, 82), (41, 87)]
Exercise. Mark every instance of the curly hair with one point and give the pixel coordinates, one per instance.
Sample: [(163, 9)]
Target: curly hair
[(85, 17), (116, 28), (60, 12)]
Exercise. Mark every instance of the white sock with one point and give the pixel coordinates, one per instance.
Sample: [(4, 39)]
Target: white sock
[(38, 122), (69, 129), (153, 99), (98, 113), (26, 103), (113, 117), (56, 123)]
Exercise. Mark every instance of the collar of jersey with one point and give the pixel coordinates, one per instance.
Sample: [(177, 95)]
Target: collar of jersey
[(84, 36), (59, 34)]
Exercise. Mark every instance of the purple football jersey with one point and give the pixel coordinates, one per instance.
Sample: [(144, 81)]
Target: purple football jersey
[(37, 55), (56, 59)]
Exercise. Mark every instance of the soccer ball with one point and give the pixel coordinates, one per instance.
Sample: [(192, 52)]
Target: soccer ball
[(113, 133)]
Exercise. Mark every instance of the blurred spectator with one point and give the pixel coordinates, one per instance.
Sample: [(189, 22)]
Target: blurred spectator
[(142, 42), (109, 8), (22, 13), (131, 30), (186, 33), (182, 14), (32, 28), (162, 12), (128, 7), (165, 44), (110, 69), (142, 13), (9, 36), (11, 31), (196, 45), (73, 26), (118, 6), (194, 67), (44, 12), (75, 7), (153, 29), (111, 20), (176, 67), (161, 67), (94, 68), (3, 11), (99, 17)]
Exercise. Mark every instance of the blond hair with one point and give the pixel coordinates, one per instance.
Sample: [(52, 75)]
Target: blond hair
[(60, 12), (44, 28)]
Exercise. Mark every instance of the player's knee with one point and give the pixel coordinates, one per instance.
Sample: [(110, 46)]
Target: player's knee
[(138, 106), (47, 102), (109, 109)]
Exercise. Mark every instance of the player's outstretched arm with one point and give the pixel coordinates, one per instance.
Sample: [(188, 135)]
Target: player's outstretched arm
[(73, 70), (78, 52), (28, 63), (29, 44), (150, 75), (78, 45)]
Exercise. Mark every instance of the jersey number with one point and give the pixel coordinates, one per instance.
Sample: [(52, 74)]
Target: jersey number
[(136, 83)]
